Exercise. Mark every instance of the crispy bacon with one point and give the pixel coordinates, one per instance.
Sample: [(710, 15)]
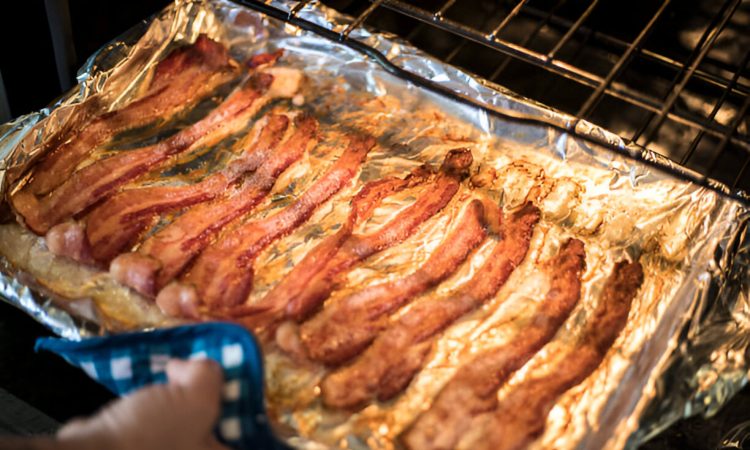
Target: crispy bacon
[(223, 273), (116, 223), (100, 179), (363, 205), (310, 283), (520, 417), (473, 390), (174, 246), (345, 328), (399, 352), (185, 76)]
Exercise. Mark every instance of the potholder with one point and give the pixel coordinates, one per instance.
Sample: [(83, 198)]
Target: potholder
[(128, 361)]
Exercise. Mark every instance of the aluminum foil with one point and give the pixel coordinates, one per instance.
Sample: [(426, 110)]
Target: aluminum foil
[(682, 353)]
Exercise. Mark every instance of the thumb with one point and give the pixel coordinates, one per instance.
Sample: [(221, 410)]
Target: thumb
[(200, 382)]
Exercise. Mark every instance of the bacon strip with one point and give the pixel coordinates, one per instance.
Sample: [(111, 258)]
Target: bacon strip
[(223, 273), (116, 223), (341, 331), (185, 76), (363, 205), (297, 296), (473, 390), (100, 179), (174, 300), (520, 418), (399, 352), (174, 246)]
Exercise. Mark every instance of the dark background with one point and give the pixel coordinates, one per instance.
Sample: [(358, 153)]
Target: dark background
[(27, 61), (45, 382)]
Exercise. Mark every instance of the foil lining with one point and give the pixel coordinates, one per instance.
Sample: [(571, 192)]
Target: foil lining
[(682, 353)]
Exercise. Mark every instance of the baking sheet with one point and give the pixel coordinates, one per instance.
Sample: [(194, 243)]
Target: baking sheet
[(682, 352)]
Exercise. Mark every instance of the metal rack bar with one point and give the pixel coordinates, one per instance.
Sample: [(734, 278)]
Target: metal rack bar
[(706, 46), (694, 144), (569, 34), (693, 56), (298, 7), (647, 54), (725, 140), (550, 14), (443, 9), (563, 69), (440, 89), (593, 99), (359, 20), (503, 23)]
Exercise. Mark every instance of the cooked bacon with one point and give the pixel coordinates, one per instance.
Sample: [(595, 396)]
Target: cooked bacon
[(473, 390), (345, 328), (185, 76), (174, 246), (223, 273), (520, 417), (312, 281), (399, 352), (363, 205), (117, 222), (100, 179)]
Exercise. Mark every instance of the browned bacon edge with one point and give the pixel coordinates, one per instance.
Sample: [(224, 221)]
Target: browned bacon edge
[(119, 221), (102, 178), (398, 353), (174, 246), (363, 205), (343, 329), (223, 274), (176, 301), (185, 76), (473, 390), (521, 415), (355, 248)]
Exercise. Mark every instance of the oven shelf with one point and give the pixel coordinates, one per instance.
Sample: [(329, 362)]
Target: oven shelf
[(670, 78)]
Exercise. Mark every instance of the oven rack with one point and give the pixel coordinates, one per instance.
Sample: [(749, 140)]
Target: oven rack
[(733, 140)]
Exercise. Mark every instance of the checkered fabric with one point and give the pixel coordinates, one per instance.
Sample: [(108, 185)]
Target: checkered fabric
[(126, 362)]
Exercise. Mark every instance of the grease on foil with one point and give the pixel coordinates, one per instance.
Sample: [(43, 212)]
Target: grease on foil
[(681, 353)]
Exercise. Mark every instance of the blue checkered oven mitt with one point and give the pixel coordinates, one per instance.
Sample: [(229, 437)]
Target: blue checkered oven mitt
[(126, 362)]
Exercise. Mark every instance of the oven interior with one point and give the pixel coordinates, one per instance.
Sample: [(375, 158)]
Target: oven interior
[(670, 76)]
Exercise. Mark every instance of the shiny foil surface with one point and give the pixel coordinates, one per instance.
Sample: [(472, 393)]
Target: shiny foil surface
[(682, 352)]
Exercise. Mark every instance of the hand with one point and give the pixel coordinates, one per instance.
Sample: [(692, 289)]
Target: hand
[(180, 414)]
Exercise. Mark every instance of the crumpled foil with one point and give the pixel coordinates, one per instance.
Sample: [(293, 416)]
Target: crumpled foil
[(682, 353)]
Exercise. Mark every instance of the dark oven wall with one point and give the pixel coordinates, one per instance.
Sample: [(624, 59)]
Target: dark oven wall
[(44, 42)]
